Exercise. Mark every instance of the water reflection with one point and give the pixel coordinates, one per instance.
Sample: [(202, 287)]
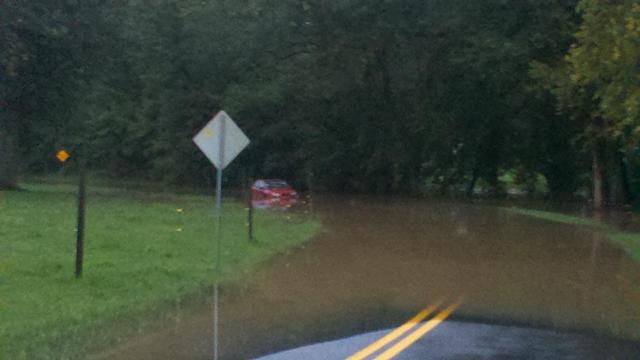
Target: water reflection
[(274, 203)]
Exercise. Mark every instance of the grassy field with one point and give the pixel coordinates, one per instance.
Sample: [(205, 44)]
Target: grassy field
[(143, 253), (629, 241)]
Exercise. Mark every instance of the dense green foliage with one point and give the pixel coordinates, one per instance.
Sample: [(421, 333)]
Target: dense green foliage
[(144, 254), (352, 95), (597, 83)]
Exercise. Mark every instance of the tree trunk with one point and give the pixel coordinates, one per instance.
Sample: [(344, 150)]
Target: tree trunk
[(472, 184), (624, 174), (8, 164), (614, 179), (494, 182), (598, 178)]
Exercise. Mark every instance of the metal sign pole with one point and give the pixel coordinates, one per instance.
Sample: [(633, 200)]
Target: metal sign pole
[(216, 292), (218, 245)]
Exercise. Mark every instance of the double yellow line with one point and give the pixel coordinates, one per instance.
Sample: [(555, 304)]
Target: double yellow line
[(404, 343)]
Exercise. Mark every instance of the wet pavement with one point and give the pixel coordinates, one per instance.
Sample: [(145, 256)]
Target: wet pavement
[(379, 261), (455, 340)]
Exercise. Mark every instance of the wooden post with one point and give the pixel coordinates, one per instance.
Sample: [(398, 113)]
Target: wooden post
[(81, 216), (250, 211)]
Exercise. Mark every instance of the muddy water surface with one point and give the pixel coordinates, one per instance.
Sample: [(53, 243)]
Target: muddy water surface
[(379, 261)]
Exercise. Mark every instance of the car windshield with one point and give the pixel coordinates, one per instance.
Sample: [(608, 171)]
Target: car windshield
[(275, 184), (319, 179)]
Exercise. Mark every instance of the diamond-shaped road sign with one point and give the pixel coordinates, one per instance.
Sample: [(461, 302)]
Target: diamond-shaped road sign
[(221, 128), (62, 155)]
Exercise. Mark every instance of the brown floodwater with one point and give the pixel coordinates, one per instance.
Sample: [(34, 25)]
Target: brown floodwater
[(378, 261)]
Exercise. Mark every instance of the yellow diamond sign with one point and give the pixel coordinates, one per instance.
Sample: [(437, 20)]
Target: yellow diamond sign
[(63, 155)]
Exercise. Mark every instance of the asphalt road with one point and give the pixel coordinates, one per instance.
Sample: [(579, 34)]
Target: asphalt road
[(453, 340)]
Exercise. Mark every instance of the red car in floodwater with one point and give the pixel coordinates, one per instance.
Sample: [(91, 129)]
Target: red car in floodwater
[(272, 189)]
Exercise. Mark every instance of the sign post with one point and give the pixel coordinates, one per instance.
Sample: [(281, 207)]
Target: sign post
[(62, 155), (221, 140), (82, 185), (250, 208)]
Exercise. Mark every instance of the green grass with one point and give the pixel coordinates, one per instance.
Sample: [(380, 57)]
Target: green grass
[(143, 253), (557, 217), (628, 241)]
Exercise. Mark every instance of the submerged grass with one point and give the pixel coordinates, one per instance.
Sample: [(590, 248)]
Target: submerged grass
[(143, 252), (629, 241)]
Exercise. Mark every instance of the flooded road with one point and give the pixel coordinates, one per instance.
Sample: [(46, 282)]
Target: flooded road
[(378, 261)]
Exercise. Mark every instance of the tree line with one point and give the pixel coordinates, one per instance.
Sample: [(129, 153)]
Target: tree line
[(397, 96)]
